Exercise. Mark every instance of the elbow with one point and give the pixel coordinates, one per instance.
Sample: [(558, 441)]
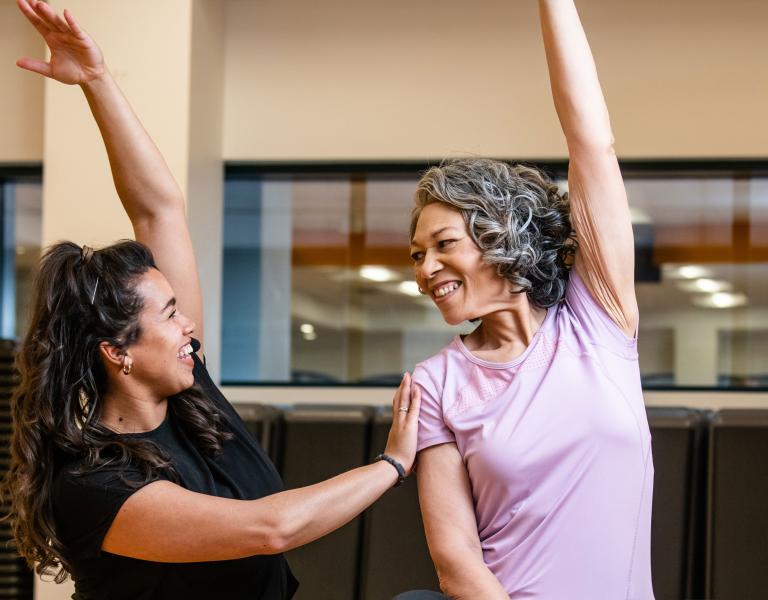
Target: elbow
[(455, 588), (169, 208), (592, 145), (287, 529), (275, 542), (463, 574), (449, 577), (272, 536), (591, 135), (448, 586)]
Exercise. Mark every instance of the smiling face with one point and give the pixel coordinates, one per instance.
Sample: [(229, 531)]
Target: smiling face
[(161, 357), (450, 268)]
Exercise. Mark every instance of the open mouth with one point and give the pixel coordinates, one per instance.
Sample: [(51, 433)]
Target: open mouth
[(185, 352), (445, 290)]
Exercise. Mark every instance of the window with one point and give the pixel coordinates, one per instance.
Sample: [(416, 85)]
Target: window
[(318, 283), (21, 234)]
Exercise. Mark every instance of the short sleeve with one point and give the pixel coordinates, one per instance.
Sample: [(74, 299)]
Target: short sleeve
[(432, 427), (85, 506), (597, 324)]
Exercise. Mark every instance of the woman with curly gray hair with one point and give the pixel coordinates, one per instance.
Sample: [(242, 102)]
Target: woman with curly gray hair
[(535, 472)]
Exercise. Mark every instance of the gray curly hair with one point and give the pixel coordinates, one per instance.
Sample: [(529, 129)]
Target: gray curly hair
[(515, 214)]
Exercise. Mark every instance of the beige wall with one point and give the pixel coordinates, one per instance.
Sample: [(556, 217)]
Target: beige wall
[(21, 94), (403, 79), (79, 201)]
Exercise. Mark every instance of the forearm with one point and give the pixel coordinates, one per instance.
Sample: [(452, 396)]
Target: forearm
[(576, 89), (143, 180), (306, 514)]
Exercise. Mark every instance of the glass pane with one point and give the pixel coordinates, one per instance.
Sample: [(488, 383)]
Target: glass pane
[(318, 284), (711, 294), (21, 240)]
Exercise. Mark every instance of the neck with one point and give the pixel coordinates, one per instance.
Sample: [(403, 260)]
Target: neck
[(129, 411), (510, 327)]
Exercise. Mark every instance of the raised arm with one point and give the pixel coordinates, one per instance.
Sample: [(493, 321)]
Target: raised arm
[(167, 523), (451, 527), (150, 195), (599, 208)]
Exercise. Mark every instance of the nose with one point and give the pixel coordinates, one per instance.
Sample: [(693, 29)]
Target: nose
[(428, 268), (187, 325)]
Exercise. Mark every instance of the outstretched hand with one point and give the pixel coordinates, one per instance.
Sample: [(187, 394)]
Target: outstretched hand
[(75, 57), (401, 443)]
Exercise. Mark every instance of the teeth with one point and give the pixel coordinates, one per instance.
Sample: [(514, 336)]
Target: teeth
[(185, 351), (446, 289)]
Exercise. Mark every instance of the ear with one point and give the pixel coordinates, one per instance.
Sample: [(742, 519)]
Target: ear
[(112, 355)]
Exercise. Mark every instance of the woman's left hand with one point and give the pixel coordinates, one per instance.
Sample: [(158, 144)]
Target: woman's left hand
[(75, 57), (402, 440)]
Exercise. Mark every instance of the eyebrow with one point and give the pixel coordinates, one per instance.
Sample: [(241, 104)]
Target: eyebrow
[(171, 302), (436, 233)]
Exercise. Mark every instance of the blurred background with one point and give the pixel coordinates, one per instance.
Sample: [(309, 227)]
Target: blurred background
[(298, 130)]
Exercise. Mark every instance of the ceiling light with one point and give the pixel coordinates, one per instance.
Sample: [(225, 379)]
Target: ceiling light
[(692, 272), (307, 328), (409, 288), (726, 300), (711, 286), (377, 273), (721, 300)]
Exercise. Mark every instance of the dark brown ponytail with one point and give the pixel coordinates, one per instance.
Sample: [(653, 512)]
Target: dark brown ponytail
[(82, 298)]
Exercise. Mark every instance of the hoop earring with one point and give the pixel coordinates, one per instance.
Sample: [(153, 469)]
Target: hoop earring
[(127, 367)]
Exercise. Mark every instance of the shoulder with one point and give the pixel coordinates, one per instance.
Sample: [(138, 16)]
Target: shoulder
[(75, 478), (85, 501), (431, 373)]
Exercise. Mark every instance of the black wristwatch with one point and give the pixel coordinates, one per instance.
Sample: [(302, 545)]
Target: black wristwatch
[(400, 470)]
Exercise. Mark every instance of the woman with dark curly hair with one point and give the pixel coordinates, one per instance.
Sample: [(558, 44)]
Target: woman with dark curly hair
[(129, 469), (535, 472)]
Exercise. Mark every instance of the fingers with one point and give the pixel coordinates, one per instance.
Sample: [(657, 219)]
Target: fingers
[(415, 406), (73, 26), (35, 65), (396, 397), (32, 17), (405, 396), (51, 18)]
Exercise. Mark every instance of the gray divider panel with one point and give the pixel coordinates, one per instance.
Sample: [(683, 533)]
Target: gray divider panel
[(677, 531), (15, 576), (319, 443), (265, 423), (395, 554), (737, 557)]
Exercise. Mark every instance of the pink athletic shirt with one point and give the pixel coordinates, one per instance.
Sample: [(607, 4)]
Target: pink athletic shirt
[(558, 451)]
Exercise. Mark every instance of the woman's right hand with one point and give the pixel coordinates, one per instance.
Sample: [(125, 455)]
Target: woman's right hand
[(75, 57), (401, 442)]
